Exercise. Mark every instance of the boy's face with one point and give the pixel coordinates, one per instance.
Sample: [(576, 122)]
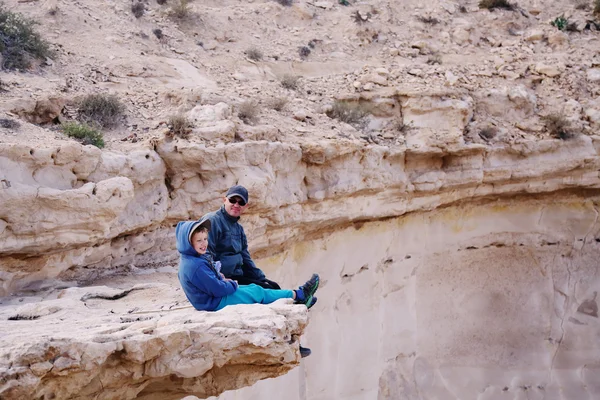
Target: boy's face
[(200, 241)]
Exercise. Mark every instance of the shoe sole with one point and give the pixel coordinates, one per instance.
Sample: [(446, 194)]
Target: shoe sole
[(312, 292)]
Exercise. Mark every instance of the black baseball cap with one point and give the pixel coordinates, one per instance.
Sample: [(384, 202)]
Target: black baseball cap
[(238, 190)]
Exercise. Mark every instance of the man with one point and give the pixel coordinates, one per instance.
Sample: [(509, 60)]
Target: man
[(228, 244)]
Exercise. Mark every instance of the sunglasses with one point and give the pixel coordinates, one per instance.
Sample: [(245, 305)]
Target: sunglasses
[(233, 200)]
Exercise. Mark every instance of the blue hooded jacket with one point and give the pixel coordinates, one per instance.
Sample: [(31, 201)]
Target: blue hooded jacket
[(203, 285), (227, 242)]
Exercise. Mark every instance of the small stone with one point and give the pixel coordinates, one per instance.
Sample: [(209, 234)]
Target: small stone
[(394, 52), (382, 71), (326, 5), (548, 70), (593, 74), (534, 36), (300, 115), (461, 35), (557, 38), (415, 72), (451, 79), (356, 84), (368, 86)]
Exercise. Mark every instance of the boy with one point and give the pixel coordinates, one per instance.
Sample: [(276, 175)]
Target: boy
[(208, 290)]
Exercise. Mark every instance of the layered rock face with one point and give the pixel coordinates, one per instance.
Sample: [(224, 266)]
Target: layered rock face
[(489, 300)]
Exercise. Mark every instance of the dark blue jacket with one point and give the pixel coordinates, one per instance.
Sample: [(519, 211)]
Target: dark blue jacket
[(227, 243), (203, 285)]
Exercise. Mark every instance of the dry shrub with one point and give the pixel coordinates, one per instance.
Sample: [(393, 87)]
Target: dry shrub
[(303, 51), (559, 126), (254, 54), (493, 4), (158, 33), (248, 112), (9, 123), (180, 9), (596, 6), (289, 82), (19, 42), (103, 110), (278, 103), (488, 133), (354, 114), (179, 126), (138, 9), (429, 20)]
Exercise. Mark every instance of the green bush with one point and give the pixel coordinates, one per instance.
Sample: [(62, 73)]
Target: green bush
[(83, 133), (19, 42), (103, 110), (560, 23)]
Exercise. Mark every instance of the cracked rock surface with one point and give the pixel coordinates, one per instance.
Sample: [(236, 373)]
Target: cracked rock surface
[(109, 343)]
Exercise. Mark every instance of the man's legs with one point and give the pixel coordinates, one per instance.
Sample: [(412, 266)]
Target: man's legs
[(253, 294), (265, 283)]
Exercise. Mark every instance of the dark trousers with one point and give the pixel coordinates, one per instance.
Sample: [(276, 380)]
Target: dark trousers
[(265, 283)]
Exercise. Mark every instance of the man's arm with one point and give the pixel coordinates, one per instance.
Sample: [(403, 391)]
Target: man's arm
[(214, 235), (250, 269)]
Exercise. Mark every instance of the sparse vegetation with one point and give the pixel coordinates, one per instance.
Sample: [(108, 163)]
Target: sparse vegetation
[(429, 20), (254, 54), (493, 4), (596, 6), (180, 9), (312, 43), (103, 110), (158, 33), (304, 52), (434, 59), (161, 2), (138, 9), (285, 3), (20, 44), (354, 114), (9, 123), (289, 82), (53, 10), (248, 112), (463, 9), (560, 23), (84, 133), (559, 126), (488, 133), (278, 103), (344, 2), (179, 125)]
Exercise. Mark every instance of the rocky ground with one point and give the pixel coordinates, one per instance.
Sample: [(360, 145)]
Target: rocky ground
[(512, 65)]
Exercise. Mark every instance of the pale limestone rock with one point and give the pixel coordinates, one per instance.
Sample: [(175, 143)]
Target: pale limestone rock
[(551, 70), (558, 38), (461, 35), (111, 343), (223, 130), (534, 35), (451, 79), (593, 115), (376, 78), (593, 75)]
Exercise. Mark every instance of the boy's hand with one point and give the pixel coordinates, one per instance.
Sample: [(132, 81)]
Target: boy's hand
[(223, 276)]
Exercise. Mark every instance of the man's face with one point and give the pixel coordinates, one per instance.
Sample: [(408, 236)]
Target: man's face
[(233, 206), (200, 241)]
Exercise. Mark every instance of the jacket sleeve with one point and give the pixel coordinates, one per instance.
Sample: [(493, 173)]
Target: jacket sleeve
[(250, 269), (205, 280)]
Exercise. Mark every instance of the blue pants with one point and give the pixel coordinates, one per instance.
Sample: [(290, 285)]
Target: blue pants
[(252, 294)]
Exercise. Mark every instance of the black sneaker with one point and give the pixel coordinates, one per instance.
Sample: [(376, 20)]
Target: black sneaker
[(313, 302), (304, 352), (309, 289)]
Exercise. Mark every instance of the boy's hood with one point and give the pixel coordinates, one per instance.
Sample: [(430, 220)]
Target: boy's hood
[(182, 233)]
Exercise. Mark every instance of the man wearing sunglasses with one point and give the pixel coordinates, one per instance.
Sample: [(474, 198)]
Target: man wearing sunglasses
[(228, 244)]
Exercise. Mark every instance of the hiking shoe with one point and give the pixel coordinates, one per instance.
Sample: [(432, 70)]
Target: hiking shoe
[(304, 352), (305, 293), (313, 302)]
